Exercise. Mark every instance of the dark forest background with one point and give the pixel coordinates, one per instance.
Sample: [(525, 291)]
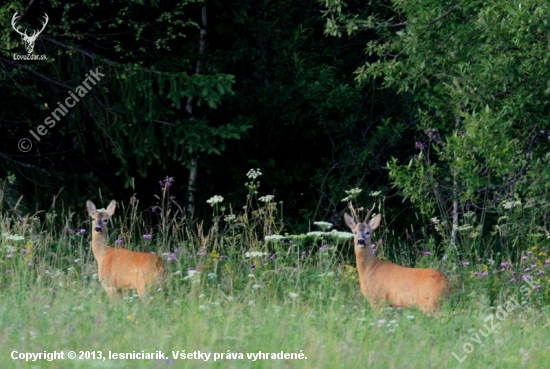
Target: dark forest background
[(441, 106)]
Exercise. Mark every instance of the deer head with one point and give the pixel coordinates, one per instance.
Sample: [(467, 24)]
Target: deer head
[(29, 40), (362, 232)]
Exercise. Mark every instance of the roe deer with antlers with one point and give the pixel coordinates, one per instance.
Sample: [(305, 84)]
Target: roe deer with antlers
[(119, 268), (384, 281)]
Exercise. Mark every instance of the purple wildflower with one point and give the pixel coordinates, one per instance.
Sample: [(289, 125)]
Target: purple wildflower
[(147, 236), (527, 269), (118, 242), (172, 257), (272, 257), (512, 280), (190, 268), (524, 258), (290, 241), (420, 145), (465, 263), (541, 272), (8, 270), (526, 277), (529, 252), (222, 257), (485, 274), (8, 256), (323, 248), (154, 253), (476, 273), (533, 266), (547, 261), (304, 252), (426, 253), (82, 231), (178, 250), (167, 182), (23, 251), (505, 264), (201, 252), (30, 264), (252, 267), (537, 286)]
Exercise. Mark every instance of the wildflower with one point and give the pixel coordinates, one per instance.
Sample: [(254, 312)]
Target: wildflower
[(229, 217), (426, 253), (172, 257), (342, 235), (529, 252), (8, 271), (167, 182), (192, 273), (316, 233), (323, 248), (485, 274), (527, 269), (547, 261), (211, 275), (274, 237), (72, 231), (255, 254), (201, 252), (76, 260), (435, 220), (293, 295), (8, 256), (524, 258), (272, 257), (420, 145), (13, 237), (505, 264), (30, 264), (254, 173), (147, 236), (375, 193), (354, 192), (538, 286), (476, 273), (533, 266), (541, 272), (266, 198), (252, 267), (323, 225), (410, 317), (214, 200), (82, 231), (256, 286), (512, 280), (526, 277), (510, 204), (465, 263), (118, 242)]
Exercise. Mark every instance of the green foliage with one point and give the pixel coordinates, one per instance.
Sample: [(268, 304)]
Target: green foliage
[(478, 72)]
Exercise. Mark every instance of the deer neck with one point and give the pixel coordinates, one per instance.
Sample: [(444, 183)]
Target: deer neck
[(365, 259), (99, 245)]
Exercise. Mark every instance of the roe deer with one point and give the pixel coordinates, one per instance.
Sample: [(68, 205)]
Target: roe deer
[(384, 281), (120, 268)]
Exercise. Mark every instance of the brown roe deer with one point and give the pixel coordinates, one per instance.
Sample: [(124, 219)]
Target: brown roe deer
[(119, 268), (383, 281)]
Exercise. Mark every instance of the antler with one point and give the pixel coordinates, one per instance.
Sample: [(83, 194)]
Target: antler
[(44, 25), (13, 19), (369, 213), (353, 213)]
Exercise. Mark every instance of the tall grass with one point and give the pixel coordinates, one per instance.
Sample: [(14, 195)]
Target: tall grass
[(242, 285)]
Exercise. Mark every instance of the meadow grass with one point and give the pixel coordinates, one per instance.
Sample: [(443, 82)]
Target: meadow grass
[(231, 292)]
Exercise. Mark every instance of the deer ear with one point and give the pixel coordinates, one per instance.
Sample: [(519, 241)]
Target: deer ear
[(350, 222), (111, 208), (91, 207), (375, 222)]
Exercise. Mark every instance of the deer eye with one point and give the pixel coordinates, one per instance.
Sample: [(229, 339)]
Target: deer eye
[(367, 233), (105, 220)]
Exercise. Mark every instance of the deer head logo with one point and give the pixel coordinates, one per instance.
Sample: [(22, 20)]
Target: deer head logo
[(29, 40)]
